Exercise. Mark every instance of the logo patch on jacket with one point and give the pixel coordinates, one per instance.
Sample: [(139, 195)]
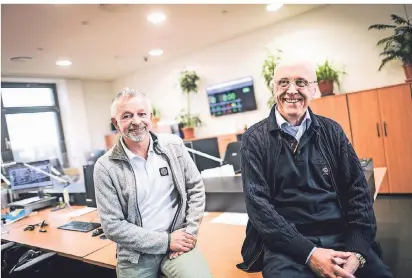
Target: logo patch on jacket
[(325, 171), (163, 171)]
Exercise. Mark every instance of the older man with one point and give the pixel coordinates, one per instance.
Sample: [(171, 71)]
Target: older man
[(150, 196), (308, 201)]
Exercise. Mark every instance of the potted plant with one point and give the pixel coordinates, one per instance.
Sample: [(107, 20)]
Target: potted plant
[(326, 76), (188, 85), (155, 116), (398, 46), (189, 122), (268, 68)]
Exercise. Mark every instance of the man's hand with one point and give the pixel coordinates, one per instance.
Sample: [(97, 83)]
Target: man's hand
[(325, 263), (174, 255), (351, 264), (181, 241)]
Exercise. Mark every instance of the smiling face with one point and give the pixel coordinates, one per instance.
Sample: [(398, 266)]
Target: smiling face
[(293, 89), (133, 118)]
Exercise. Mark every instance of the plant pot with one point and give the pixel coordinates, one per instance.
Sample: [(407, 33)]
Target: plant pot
[(155, 121), (326, 87), (188, 132), (408, 72)]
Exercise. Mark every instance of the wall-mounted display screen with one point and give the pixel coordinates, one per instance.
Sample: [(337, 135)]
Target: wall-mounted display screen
[(232, 97)]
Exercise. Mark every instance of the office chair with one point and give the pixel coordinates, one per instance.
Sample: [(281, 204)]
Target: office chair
[(232, 155)]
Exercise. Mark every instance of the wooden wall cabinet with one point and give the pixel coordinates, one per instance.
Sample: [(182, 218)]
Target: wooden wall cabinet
[(381, 128), (335, 108), (367, 133), (378, 123), (395, 107)]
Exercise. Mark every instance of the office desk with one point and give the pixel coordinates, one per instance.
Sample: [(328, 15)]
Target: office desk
[(226, 193), (105, 257), (379, 174), (220, 243), (71, 244)]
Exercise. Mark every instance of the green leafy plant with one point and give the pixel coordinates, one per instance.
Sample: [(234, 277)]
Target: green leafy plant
[(190, 121), (398, 46), (326, 71), (188, 84), (156, 112), (268, 68)]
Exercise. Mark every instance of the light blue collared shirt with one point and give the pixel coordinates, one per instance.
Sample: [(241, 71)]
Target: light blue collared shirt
[(297, 132)]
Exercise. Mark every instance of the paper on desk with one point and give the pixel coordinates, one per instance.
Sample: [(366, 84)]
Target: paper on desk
[(222, 171), (231, 218), (80, 212)]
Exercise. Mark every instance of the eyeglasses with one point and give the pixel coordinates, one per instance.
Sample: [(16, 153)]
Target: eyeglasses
[(299, 82)]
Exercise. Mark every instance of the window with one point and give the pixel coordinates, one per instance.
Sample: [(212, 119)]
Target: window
[(31, 123)]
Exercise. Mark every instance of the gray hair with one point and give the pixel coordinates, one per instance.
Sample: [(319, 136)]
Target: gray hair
[(126, 93)]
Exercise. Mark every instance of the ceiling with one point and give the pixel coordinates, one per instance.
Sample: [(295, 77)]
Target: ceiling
[(105, 42)]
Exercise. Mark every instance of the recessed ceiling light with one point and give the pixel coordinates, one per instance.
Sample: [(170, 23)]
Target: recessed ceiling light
[(274, 7), (156, 17), (63, 63), (155, 52)]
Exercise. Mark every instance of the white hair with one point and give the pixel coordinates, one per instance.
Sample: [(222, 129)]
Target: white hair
[(127, 93)]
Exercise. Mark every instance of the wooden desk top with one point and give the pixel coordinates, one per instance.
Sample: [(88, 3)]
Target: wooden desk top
[(379, 175), (105, 257), (220, 243), (67, 243), (54, 217)]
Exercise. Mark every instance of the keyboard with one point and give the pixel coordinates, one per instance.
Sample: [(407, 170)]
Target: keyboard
[(26, 201), (80, 226)]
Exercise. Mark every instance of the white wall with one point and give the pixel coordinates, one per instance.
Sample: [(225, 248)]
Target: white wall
[(98, 96), (336, 32)]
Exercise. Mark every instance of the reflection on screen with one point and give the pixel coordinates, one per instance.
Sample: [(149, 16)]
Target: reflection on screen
[(22, 177)]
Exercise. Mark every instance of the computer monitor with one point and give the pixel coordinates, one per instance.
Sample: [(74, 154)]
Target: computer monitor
[(190, 145), (232, 156), (23, 178)]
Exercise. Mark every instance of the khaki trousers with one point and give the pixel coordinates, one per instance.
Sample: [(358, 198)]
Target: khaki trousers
[(189, 265)]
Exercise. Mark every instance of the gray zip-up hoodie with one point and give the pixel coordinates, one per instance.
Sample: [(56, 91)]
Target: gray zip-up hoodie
[(116, 198)]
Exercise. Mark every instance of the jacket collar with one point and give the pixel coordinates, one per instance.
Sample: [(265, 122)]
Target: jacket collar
[(273, 125), (118, 151)]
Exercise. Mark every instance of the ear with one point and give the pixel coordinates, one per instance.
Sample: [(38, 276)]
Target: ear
[(114, 122), (314, 90)]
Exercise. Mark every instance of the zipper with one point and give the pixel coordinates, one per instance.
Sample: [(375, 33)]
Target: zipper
[(263, 246), (256, 258), (332, 176), (178, 189), (137, 203)]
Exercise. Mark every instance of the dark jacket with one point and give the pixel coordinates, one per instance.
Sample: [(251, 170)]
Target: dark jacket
[(259, 152)]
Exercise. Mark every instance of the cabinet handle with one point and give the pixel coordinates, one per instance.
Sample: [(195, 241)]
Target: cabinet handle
[(377, 129), (384, 128)]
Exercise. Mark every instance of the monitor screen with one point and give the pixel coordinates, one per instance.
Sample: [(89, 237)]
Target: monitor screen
[(232, 97), (22, 177)]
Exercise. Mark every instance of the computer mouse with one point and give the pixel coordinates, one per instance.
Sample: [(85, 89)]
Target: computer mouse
[(97, 232)]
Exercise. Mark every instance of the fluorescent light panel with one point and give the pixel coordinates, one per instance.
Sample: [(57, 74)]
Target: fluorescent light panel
[(156, 17)]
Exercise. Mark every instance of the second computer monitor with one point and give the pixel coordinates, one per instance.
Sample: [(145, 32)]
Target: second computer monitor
[(24, 178)]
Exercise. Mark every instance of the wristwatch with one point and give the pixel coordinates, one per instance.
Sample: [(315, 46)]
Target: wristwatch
[(361, 259)]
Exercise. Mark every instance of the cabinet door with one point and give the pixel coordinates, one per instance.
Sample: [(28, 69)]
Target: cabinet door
[(335, 108), (395, 105), (367, 133)]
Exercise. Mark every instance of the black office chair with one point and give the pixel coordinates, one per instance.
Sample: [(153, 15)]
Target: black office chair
[(232, 155)]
